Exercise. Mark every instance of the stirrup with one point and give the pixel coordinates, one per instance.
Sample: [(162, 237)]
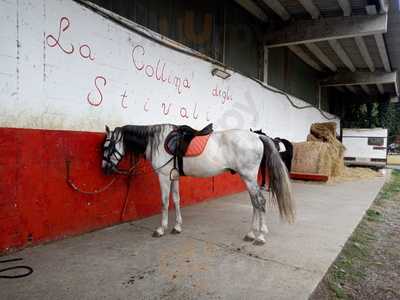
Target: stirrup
[(174, 174)]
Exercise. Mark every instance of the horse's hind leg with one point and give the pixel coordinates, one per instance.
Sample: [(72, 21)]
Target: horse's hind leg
[(165, 184), (258, 202), (175, 196), (260, 240), (251, 235)]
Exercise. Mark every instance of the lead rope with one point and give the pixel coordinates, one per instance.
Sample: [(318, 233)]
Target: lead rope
[(28, 269), (77, 189), (130, 173)]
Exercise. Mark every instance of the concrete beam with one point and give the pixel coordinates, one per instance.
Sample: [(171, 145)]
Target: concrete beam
[(364, 53), (346, 7), (380, 88), (352, 89), (366, 89), (310, 7), (340, 89), (382, 51), (308, 31), (337, 47), (379, 41), (253, 8), (305, 57), (360, 78), (384, 4), (321, 56), (278, 8)]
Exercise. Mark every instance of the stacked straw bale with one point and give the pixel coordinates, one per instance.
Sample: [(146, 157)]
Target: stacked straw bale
[(321, 154)]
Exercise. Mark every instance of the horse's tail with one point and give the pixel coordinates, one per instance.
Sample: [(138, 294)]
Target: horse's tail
[(279, 180)]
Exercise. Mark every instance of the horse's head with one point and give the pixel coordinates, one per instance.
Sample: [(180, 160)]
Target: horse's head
[(258, 131), (113, 149)]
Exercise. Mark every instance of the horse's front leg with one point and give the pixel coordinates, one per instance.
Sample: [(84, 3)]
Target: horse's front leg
[(165, 184), (175, 196)]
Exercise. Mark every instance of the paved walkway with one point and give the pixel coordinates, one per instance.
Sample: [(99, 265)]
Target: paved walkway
[(208, 260)]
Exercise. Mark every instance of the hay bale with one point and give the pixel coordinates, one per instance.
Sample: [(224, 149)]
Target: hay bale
[(326, 132), (311, 157), (323, 154)]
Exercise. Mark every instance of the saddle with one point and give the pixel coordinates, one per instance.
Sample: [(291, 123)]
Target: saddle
[(186, 141)]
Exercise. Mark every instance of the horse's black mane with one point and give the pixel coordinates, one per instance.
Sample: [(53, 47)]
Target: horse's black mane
[(258, 131), (137, 137)]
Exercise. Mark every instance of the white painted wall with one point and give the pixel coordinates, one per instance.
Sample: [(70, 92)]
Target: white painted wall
[(46, 81)]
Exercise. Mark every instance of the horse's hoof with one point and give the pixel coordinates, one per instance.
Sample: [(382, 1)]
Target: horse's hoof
[(259, 241), (158, 233), (249, 237), (175, 231)]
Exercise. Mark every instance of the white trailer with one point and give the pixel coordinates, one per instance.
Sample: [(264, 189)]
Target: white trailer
[(365, 147)]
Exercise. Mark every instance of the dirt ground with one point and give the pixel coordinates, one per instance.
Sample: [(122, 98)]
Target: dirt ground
[(368, 267)]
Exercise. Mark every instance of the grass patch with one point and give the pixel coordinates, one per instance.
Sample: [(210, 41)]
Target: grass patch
[(347, 266), (390, 188), (353, 261), (374, 215)]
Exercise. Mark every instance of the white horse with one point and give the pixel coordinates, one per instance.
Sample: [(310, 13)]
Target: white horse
[(240, 151)]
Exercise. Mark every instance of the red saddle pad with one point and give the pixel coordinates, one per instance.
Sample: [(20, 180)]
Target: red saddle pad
[(197, 145)]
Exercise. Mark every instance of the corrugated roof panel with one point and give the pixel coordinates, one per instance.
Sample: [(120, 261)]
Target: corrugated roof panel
[(309, 53), (294, 7), (351, 48), (373, 90), (389, 88), (373, 51), (358, 89), (328, 8), (331, 54), (358, 7)]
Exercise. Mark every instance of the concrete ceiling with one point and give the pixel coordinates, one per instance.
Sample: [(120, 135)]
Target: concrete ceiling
[(353, 43)]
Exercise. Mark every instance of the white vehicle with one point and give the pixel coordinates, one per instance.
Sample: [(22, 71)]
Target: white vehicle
[(365, 147)]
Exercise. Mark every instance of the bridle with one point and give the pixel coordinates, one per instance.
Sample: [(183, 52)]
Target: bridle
[(112, 150)]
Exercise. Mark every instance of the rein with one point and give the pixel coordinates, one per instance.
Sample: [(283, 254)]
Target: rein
[(129, 172), (114, 152), (28, 269), (77, 189)]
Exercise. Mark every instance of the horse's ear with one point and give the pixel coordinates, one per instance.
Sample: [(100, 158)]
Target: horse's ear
[(107, 130)]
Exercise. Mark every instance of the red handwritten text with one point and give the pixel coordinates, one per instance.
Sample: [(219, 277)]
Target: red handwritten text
[(223, 94), (53, 42), (84, 50), (97, 102), (158, 70), (124, 105)]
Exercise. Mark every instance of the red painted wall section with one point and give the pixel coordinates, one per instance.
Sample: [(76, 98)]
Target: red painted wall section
[(37, 205)]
